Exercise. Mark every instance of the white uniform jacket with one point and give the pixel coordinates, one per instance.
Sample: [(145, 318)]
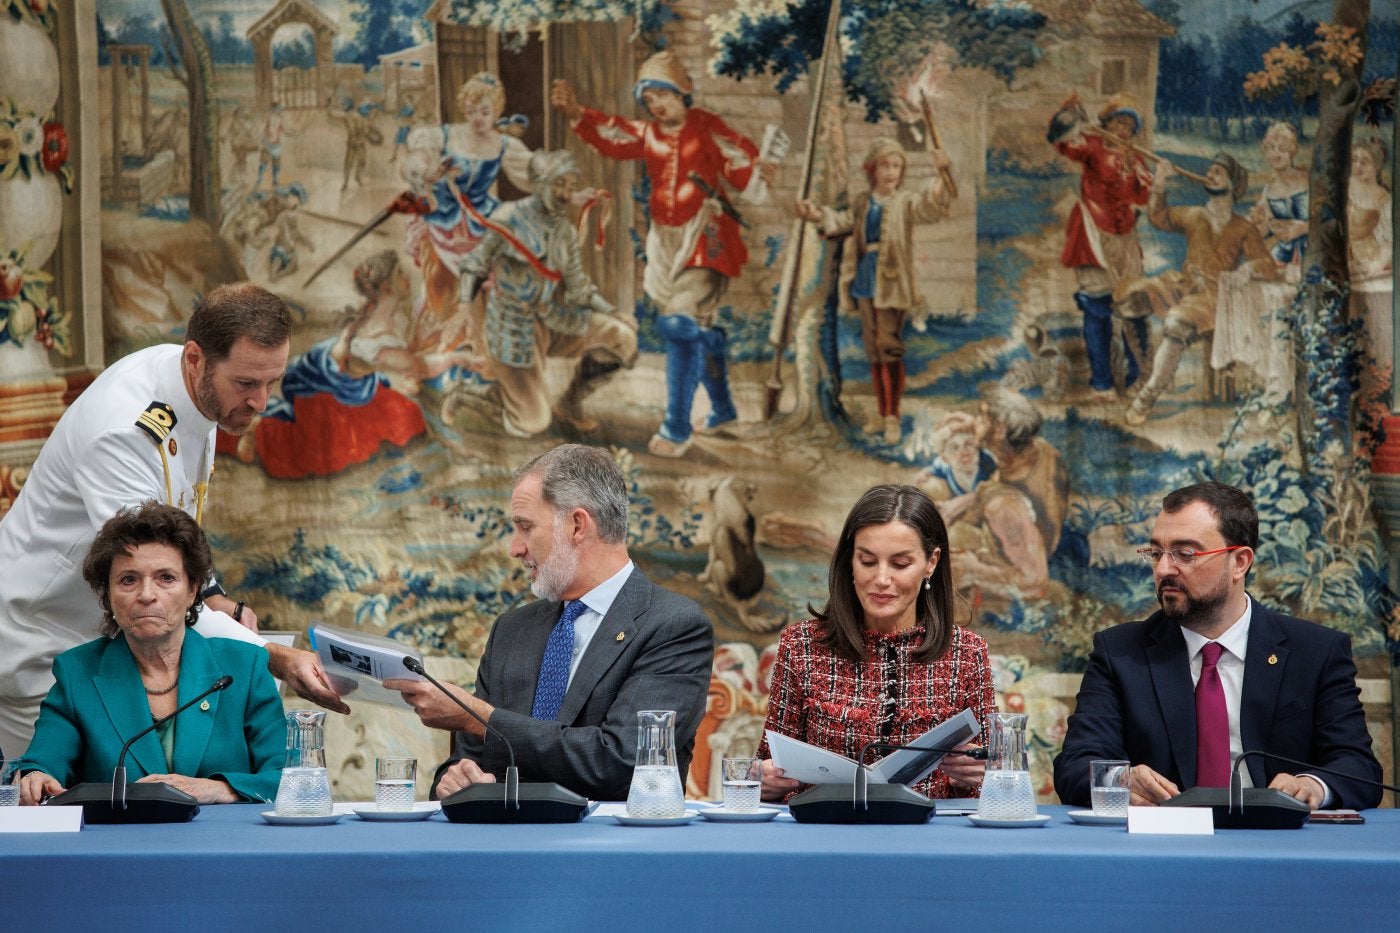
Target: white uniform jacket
[(97, 460)]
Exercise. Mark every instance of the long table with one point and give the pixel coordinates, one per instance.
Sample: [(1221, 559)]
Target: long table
[(228, 870)]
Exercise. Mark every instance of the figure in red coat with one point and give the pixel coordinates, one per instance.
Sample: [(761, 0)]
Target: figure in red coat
[(1101, 243), (693, 246)]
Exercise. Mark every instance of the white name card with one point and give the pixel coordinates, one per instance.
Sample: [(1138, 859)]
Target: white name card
[(41, 819), (1171, 821)]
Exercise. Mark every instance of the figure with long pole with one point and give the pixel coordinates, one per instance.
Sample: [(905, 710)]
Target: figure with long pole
[(780, 331)]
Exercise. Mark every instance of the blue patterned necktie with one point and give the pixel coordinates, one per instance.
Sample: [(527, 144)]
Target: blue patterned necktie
[(554, 669)]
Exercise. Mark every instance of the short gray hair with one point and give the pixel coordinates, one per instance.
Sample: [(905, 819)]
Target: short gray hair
[(1018, 413), (573, 476)]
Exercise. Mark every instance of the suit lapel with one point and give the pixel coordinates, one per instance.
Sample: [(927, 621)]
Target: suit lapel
[(118, 684), (1263, 679), (614, 635), (1171, 680), (193, 727)]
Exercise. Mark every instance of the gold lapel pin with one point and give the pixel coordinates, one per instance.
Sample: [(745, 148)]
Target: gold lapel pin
[(204, 706), (621, 635), (1273, 659)]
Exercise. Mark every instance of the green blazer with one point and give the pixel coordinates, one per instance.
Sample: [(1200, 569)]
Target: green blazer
[(98, 702)]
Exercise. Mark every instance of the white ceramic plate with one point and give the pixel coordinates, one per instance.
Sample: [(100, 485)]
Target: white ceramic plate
[(1090, 818), (721, 815), (394, 816), (272, 817), (626, 820), (976, 820)]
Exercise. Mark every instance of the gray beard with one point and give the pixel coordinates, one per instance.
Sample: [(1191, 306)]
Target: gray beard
[(552, 578)]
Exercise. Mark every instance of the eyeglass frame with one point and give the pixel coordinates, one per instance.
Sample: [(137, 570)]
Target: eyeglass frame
[(1173, 553)]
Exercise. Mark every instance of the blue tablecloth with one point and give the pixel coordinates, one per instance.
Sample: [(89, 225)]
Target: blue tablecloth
[(229, 870)]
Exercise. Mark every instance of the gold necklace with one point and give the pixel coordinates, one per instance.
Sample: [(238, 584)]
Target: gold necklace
[(161, 693)]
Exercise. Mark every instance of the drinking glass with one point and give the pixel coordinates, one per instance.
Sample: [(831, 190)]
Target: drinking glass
[(394, 780), (743, 780), (1108, 787), (9, 782)]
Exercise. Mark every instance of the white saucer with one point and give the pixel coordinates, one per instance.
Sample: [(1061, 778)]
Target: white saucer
[(626, 820), (272, 817), (721, 815), (1039, 820), (1090, 818), (394, 816)]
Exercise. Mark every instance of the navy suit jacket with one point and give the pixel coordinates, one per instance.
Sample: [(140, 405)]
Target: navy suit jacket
[(98, 702), (1299, 699), (653, 650)]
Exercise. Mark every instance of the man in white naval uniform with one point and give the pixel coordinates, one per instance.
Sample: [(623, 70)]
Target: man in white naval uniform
[(144, 429)]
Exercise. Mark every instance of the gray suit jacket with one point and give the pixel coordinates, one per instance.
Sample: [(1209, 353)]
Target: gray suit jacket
[(653, 650)]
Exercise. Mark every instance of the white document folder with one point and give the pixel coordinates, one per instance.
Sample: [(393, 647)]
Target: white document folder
[(812, 765)]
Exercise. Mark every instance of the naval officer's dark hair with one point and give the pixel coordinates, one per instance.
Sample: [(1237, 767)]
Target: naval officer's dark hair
[(240, 309)]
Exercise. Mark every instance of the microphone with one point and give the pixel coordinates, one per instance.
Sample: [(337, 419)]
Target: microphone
[(511, 801), (894, 803), (152, 802), (1239, 807)]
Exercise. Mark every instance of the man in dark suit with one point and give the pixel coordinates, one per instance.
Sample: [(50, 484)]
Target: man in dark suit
[(1152, 695), (564, 682)]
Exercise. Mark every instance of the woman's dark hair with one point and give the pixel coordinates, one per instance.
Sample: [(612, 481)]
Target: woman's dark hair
[(842, 621), (148, 523)]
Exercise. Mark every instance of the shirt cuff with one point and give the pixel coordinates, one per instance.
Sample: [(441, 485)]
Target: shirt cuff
[(1327, 799)]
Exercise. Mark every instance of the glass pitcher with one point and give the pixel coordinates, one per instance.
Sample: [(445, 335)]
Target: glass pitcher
[(1007, 793), (305, 789), (656, 780)]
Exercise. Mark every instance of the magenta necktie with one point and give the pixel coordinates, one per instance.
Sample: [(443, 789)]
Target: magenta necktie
[(1212, 723)]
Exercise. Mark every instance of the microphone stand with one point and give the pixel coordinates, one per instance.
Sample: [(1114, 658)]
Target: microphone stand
[(155, 802), (542, 803), (894, 803), (1236, 785), (863, 771), (119, 772), (1238, 807), (512, 782)]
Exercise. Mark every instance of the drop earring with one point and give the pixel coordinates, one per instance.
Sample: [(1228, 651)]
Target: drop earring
[(928, 584)]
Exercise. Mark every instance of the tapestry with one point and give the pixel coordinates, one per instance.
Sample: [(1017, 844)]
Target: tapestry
[(1096, 285)]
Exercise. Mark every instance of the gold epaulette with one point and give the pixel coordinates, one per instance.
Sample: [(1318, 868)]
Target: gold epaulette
[(158, 420)]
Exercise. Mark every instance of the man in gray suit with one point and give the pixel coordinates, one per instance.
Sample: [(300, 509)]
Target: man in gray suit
[(630, 646)]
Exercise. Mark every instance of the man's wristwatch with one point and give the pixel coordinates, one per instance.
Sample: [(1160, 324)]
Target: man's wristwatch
[(213, 589)]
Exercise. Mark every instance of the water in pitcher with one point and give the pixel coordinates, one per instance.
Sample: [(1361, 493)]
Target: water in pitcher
[(655, 793), (304, 792), (1007, 795)]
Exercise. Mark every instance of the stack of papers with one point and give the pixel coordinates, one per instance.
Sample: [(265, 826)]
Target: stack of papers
[(358, 663), (812, 765)]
